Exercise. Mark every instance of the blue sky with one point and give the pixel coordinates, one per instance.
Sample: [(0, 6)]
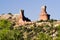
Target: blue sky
[(31, 8)]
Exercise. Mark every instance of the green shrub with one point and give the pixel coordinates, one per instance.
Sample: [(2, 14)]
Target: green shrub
[(11, 35), (43, 36), (5, 24)]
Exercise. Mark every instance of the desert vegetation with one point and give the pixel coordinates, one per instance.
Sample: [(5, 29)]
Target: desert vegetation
[(36, 31)]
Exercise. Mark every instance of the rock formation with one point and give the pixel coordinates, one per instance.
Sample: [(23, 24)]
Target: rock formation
[(22, 18), (43, 14)]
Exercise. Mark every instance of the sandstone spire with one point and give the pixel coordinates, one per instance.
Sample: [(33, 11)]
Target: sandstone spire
[(43, 14), (43, 9), (22, 18), (21, 14)]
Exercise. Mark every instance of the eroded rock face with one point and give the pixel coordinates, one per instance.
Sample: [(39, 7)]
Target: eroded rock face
[(22, 18), (43, 14)]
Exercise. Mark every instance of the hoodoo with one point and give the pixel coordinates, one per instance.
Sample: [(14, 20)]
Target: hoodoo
[(22, 18), (43, 14)]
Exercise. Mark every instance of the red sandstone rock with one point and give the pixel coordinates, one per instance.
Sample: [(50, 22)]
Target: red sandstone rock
[(43, 14), (22, 18)]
